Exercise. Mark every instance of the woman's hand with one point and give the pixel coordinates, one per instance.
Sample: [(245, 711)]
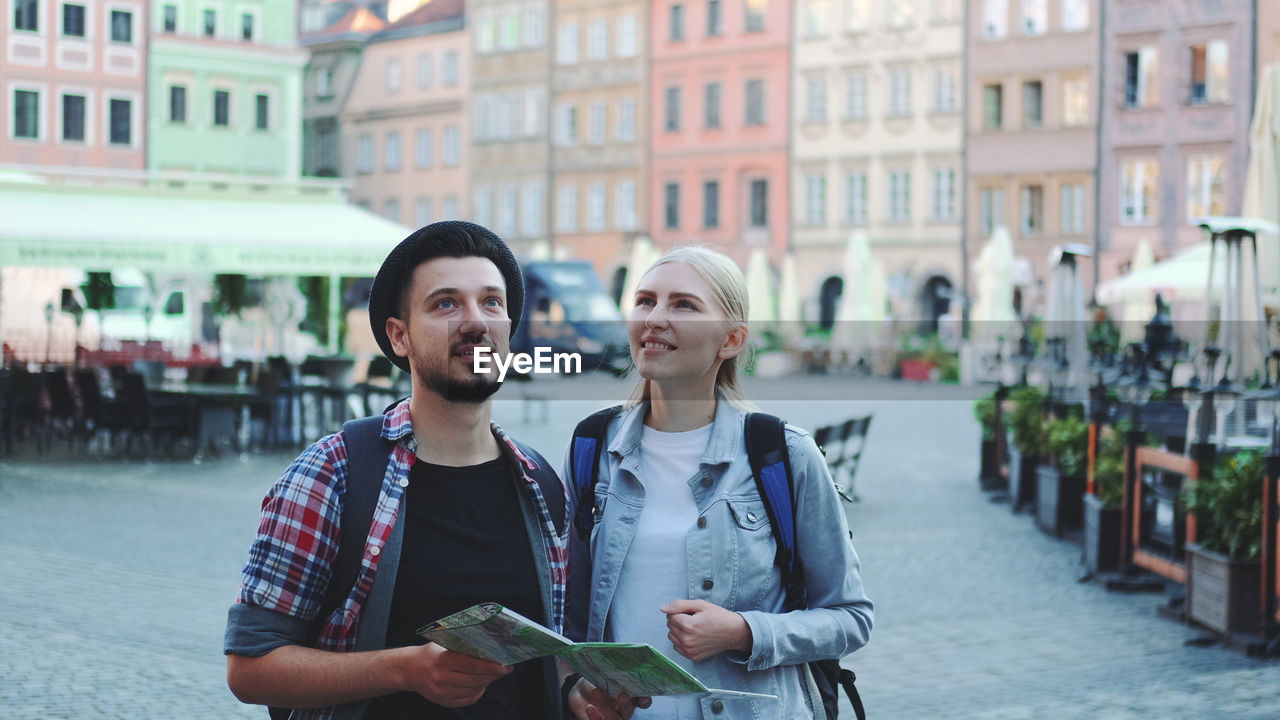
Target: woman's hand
[(699, 629), (589, 702)]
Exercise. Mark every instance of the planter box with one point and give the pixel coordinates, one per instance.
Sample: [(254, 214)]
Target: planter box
[(989, 476), (1102, 527), (1223, 594), (1022, 478), (1058, 500), (917, 370)]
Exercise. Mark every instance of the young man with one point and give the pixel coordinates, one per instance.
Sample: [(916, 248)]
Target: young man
[(459, 519)]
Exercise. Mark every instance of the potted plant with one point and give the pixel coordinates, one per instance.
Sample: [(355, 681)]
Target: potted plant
[(1102, 509), (1027, 426), (1223, 569), (989, 474), (1060, 482)]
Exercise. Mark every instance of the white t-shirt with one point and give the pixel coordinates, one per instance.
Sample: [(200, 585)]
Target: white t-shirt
[(655, 571)]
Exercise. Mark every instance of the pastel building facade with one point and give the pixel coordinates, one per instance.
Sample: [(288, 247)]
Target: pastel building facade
[(73, 81), (599, 130), (226, 89), (719, 125), (405, 122), (877, 146)]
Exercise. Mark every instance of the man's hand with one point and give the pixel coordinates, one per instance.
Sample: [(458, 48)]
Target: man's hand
[(589, 702), (699, 629), (447, 678)]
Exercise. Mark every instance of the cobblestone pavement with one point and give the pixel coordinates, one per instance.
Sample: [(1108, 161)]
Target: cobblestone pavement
[(118, 576)]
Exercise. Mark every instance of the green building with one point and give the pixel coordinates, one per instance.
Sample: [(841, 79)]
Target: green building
[(225, 89)]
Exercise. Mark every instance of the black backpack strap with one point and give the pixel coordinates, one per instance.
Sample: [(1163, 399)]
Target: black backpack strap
[(771, 467), (548, 481), (589, 439)]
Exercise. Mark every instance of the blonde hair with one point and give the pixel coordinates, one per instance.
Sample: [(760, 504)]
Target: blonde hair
[(729, 290)]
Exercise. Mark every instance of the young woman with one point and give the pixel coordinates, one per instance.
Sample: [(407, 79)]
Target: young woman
[(681, 552)]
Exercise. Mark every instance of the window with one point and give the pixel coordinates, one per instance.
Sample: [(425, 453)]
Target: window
[(509, 33), (422, 212), (1075, 15), (624, 205), (567, 123), (171, 18), (121, 130), (246, 27), (628, 36), (1073, 209), (992, 107), (715, 19), (599, 123), (671, 206), (73, 107), (815, 199), (535, 23), (73, 20), (1035, 17), (451, 209), (855, 202), (532, 115), (393, 75), (627, 119), (1075, 101), (326, 149), (755, 102), (452, 146), (177, 104), (944, 194), (567, 208), (210, 22), (568, 44), (859, 14), (596, 211), (1209, 73), (944, 90), (364, 153), (899, 92), (426, 71), (855, 105), (450, 69), (424, 154), (508, 196), (816, 94), (711, 204), (482, 206), (711, 105), (508, 105), (755, 15), (1140, 79), (899, 196), (1032, 104), (324, 82), (1205, 194), (221, 108), (946, 11), (816, 18), (675, 23), (486, 31), (262, 112), (391, 210), (26, 16), (531, 209), (991, 209), (598, 40), (759, 216), (995, 19), (121, 26), (391, 152), (901, 14), (1031, 213), (671, 109), (483, 117)]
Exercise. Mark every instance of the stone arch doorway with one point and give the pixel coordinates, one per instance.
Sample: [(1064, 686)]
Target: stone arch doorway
[(829, 301), (935, 301)]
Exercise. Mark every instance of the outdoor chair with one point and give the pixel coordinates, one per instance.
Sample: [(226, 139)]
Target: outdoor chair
[(61, 416), (842, 444), (148, 418), (99, 414), (24, 407)]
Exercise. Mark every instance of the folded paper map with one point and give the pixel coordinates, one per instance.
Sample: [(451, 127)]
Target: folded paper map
[(492, 632)]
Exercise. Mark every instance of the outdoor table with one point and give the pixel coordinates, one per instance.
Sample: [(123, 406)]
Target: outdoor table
[(215, 406)]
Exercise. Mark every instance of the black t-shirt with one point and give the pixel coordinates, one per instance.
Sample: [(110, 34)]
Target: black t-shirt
[(465, 542)]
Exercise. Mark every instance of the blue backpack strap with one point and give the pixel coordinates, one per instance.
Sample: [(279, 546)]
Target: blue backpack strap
[(771, 467), (589, 439), (548, 481)]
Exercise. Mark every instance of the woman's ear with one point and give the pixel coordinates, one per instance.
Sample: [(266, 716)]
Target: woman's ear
[(735, 343)]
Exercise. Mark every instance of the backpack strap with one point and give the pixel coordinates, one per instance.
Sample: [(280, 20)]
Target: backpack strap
[(771, 467), (588, 442)]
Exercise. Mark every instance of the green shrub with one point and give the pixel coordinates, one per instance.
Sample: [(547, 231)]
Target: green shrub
[(1028, 420), (1228, 507), (985, 412), (1069, 446)]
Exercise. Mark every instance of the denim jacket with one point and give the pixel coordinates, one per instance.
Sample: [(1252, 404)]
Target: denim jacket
[(731, 563)]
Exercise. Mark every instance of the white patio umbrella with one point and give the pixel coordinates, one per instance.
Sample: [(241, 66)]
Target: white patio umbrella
[(1262, 180), (762, 311), (789, 302), (993, 314), (1140, 307), (643, 254), (852, 333)]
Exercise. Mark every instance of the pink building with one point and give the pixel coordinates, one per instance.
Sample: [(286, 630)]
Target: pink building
[(73, 84), (719, 121)]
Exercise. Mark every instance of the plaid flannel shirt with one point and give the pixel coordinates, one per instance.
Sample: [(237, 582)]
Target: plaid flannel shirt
[(297, 538)]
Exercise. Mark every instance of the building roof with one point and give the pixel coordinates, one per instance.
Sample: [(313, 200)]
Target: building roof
[(430, 12), (359, 20)]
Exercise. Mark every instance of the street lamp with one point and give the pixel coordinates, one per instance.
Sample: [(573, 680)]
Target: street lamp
[(49, 309)]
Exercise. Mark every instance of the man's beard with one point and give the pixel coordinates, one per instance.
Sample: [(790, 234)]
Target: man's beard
[(475, 388)]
